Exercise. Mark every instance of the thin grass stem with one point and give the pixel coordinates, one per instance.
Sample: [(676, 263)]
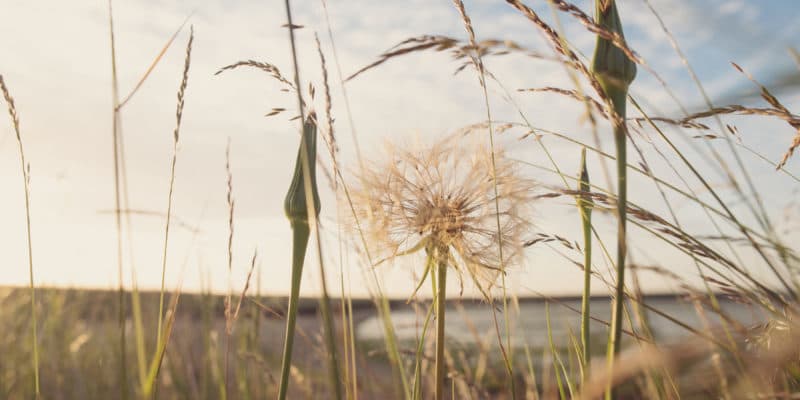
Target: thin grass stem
[(123, 364), (12, 112)]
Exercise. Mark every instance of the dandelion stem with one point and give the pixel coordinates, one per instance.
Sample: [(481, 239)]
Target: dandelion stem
[(417, 389), (441, 305)]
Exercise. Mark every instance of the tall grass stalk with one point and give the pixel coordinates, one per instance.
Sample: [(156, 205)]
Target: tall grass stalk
[(350, 373), (758, 210), (26, 179), (712, 297), (726, 213), (325, 301), (160, 344), (558, 366), (115, 122), (507, 350), (380, 300), (121, 198), (228, 310)]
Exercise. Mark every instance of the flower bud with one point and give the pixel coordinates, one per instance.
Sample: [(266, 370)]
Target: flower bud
[(295, 205), (612, 67)]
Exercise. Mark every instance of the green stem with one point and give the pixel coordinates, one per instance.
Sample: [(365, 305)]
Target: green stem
[(554, 354), (618, 98), (441, 303), (585, 207), (159, 330), (300, 233)]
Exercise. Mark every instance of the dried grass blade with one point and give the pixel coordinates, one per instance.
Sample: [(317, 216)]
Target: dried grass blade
[(154, 63)]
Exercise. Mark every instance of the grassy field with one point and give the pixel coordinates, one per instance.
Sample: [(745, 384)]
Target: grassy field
[(463, 206), (79, 327)]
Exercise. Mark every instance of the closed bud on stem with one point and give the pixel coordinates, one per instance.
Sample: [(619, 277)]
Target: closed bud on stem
[(295, 205), (614, 72), (612, 67), (585, 187)]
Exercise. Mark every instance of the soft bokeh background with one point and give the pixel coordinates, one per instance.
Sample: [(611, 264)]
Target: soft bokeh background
[(57, 64)]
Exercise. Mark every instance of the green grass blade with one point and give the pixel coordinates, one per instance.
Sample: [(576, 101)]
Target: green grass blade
[(585, 208)]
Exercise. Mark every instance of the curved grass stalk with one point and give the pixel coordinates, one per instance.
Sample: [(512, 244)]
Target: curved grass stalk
[(115, 121), (725, 277), (12, 112), (758, 211)]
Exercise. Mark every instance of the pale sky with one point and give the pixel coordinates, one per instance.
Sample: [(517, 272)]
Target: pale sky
[(56, 62)]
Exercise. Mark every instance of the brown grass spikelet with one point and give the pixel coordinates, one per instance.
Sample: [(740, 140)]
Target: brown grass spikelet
[(12, 110), (559, 45), (231, 203), (795, 144), (443, 195), (328, 133), (458, 49), (780, 109), (573, 94), (184, 82), (593, 27), (264, 66)]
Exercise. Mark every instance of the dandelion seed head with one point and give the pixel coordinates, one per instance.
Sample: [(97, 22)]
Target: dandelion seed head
[(442, 196)]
